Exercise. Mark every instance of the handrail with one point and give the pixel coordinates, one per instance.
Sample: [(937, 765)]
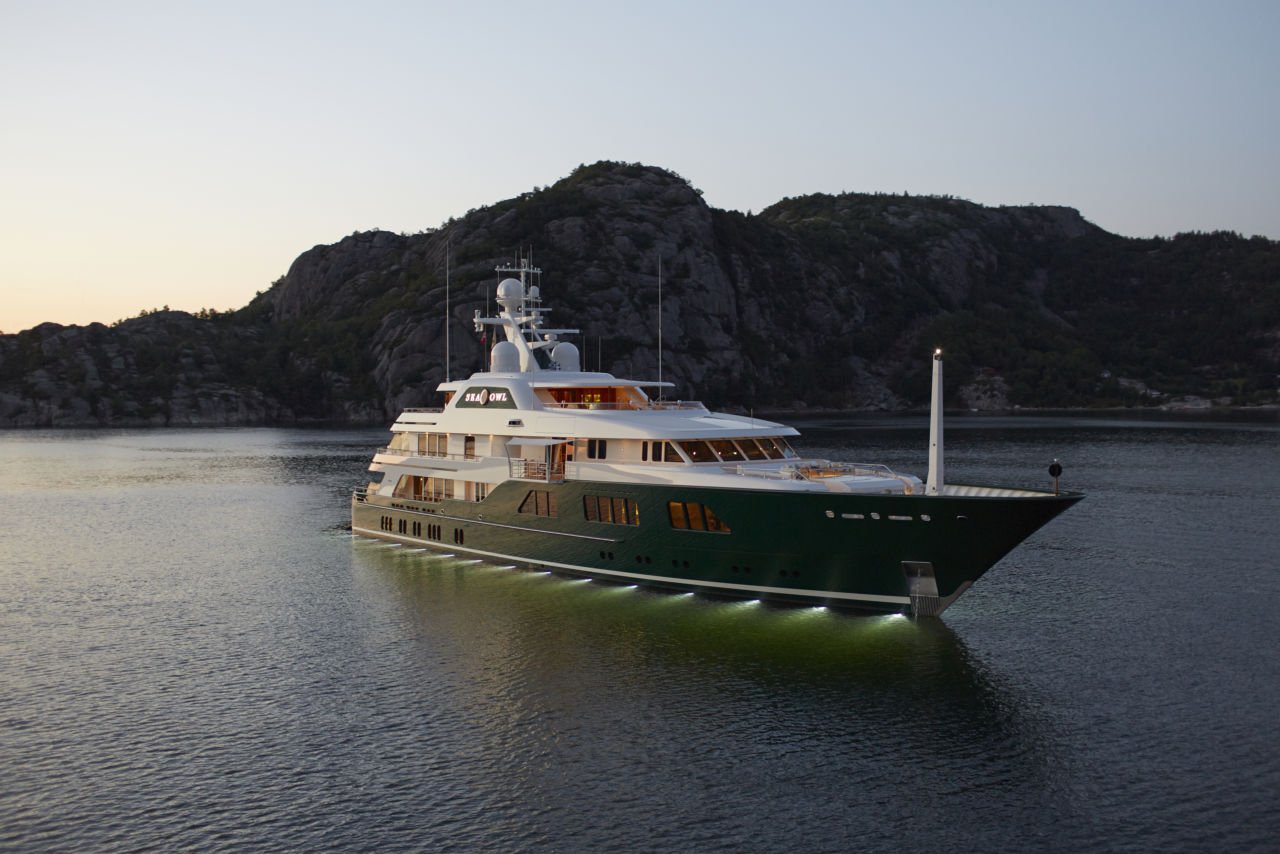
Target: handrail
[(627, 406), (525, 469), (423, 409), (816, 469), (413, 452)]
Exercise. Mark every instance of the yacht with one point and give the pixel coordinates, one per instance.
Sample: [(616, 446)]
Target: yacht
[(538, 463)]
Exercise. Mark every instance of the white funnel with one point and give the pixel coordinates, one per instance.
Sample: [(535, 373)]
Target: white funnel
[(934, 484)]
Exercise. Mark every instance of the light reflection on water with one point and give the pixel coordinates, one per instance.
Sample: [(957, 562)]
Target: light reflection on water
[(194, 653)]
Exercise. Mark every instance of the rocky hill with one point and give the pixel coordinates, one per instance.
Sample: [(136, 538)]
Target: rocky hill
[(821, 301)]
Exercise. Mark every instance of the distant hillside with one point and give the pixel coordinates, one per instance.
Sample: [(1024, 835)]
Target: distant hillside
[(823, 301)]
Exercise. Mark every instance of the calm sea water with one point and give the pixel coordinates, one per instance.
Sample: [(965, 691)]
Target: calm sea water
[(194, 653)]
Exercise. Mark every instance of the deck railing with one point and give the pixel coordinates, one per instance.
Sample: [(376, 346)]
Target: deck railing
[(414, 452), (653, 405), (816, 469), (535, 470)]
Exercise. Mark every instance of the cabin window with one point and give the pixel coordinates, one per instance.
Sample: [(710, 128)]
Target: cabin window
[(644, 452), (540, 502), (597, 449), (376, 476), (437, 444), (694, 516), (469, 447), (423, 488), (726, 450), (699, 451), (751, 449), (611, 509)]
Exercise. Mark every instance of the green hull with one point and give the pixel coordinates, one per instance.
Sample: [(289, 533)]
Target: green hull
[(892, 553)]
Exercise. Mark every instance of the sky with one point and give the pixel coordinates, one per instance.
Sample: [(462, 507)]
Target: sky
[(184, 153)]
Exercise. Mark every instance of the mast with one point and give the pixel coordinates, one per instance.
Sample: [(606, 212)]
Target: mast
[(934, 484), (447, 361), (659, 327)]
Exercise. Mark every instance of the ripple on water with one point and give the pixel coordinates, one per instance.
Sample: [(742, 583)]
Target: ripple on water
[(194, 654)]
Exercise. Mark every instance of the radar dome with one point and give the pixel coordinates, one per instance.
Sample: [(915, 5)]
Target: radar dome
[(505, 357), (565, 354), (510, 291)]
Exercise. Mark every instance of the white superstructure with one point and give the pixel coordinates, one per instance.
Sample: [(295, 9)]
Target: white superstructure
[(535, 415)]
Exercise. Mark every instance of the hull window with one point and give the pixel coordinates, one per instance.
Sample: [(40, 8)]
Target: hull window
[(540, 502), (610, 509), (692, 516)]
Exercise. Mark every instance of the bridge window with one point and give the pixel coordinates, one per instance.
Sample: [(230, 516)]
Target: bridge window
[(726, 450), (699, 451)]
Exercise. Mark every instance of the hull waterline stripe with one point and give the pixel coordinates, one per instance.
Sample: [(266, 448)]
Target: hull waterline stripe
[(723, 585)]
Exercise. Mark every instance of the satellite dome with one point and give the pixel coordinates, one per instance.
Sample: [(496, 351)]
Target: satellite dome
[(534, 292), (565, 354), (510, 291), (505, 356)]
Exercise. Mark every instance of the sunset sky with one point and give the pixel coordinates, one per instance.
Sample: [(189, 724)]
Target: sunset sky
[(185, 153)]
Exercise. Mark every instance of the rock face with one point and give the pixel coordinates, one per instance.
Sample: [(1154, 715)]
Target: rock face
[(830, 301)]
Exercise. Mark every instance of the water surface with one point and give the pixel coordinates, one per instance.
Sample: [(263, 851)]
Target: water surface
[(194, 652)]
